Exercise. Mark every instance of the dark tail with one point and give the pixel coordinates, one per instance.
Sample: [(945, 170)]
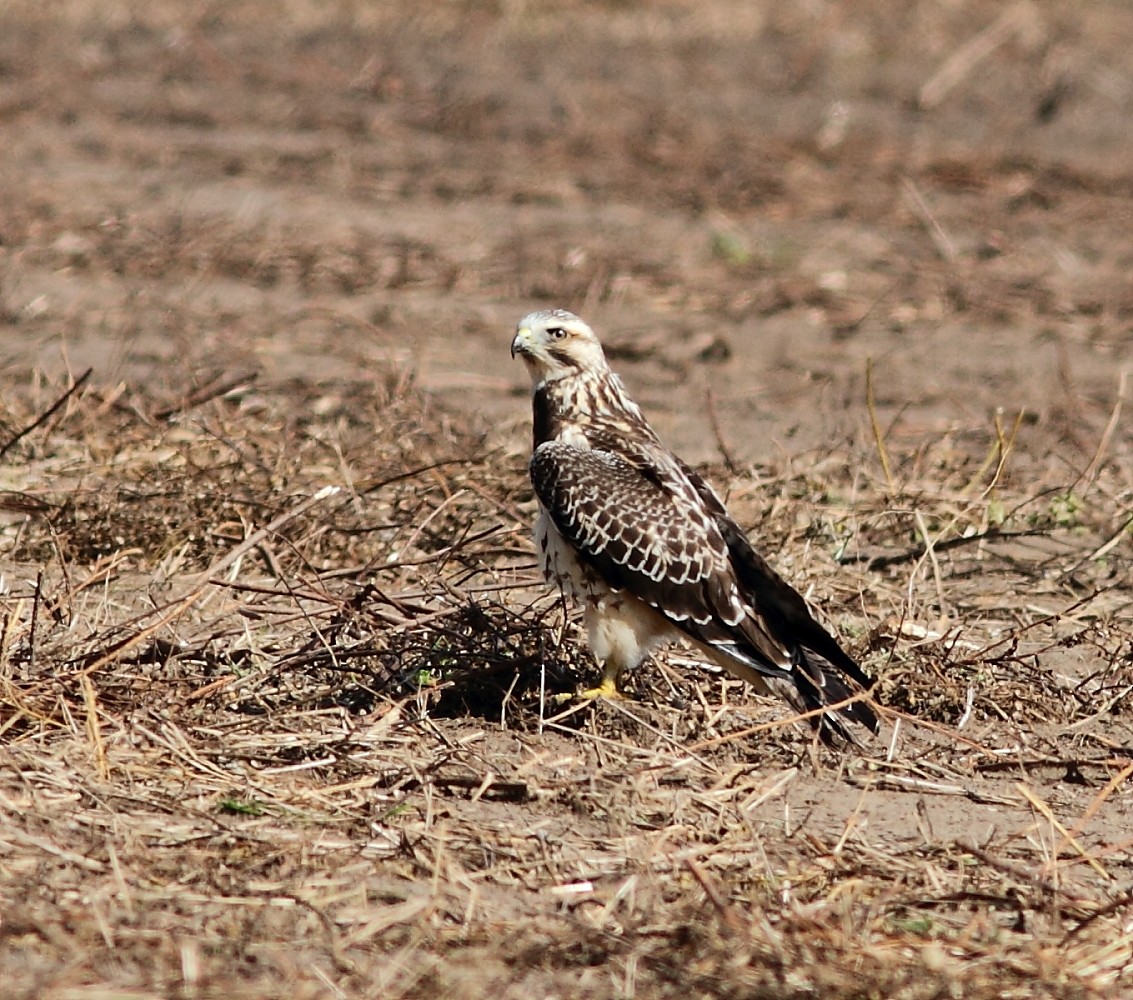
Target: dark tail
[(821, 666), (817, 684)]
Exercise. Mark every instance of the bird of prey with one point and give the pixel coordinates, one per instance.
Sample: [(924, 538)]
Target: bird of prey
[(645, 544)]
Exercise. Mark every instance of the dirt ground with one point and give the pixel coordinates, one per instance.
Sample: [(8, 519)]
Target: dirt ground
[(276, 670)]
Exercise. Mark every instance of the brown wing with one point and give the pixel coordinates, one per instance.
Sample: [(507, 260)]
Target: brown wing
[(657, 541), (777, 600), (785, 613), (652, 527)]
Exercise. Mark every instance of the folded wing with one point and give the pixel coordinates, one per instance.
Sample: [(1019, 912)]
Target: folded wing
[(653, 528)]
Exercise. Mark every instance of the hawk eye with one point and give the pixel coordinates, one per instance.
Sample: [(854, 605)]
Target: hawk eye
[(556, 332)]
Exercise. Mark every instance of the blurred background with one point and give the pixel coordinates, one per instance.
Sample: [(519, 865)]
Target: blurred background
[(747, 199)]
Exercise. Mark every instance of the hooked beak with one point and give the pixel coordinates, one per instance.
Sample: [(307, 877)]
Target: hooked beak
[(522, 341)]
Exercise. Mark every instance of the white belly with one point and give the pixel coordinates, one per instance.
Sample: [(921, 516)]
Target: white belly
[(621, 629)]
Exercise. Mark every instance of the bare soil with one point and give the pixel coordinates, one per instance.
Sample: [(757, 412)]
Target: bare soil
[(276, 668)]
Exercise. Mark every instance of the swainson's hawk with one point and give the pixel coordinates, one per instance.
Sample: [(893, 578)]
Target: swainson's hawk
[(646, 545)]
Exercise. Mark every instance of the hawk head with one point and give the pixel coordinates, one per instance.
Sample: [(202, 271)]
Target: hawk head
[(555, 344)]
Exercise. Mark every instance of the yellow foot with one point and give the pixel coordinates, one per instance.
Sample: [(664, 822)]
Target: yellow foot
[(607, 689)]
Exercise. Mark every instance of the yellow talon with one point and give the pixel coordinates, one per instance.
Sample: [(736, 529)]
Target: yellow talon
[(607, 689)]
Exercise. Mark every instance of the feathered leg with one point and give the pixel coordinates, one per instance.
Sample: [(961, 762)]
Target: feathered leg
[(622, 632)]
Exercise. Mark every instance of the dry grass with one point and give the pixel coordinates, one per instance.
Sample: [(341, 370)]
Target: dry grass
[(262, 735)]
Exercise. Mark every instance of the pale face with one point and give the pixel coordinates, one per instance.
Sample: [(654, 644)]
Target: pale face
[(555, 344)]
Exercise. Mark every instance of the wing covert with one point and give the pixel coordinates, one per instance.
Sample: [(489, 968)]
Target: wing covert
[(624, 523), (660, 544)]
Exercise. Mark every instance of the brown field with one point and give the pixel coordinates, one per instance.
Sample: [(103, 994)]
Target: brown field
[(869, 266)]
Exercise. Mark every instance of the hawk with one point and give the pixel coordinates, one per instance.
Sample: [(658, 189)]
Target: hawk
[(648, 548)]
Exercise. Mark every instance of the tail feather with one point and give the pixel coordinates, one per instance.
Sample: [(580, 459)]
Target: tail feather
[(814, 675), (811, 685), (814, 685)]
